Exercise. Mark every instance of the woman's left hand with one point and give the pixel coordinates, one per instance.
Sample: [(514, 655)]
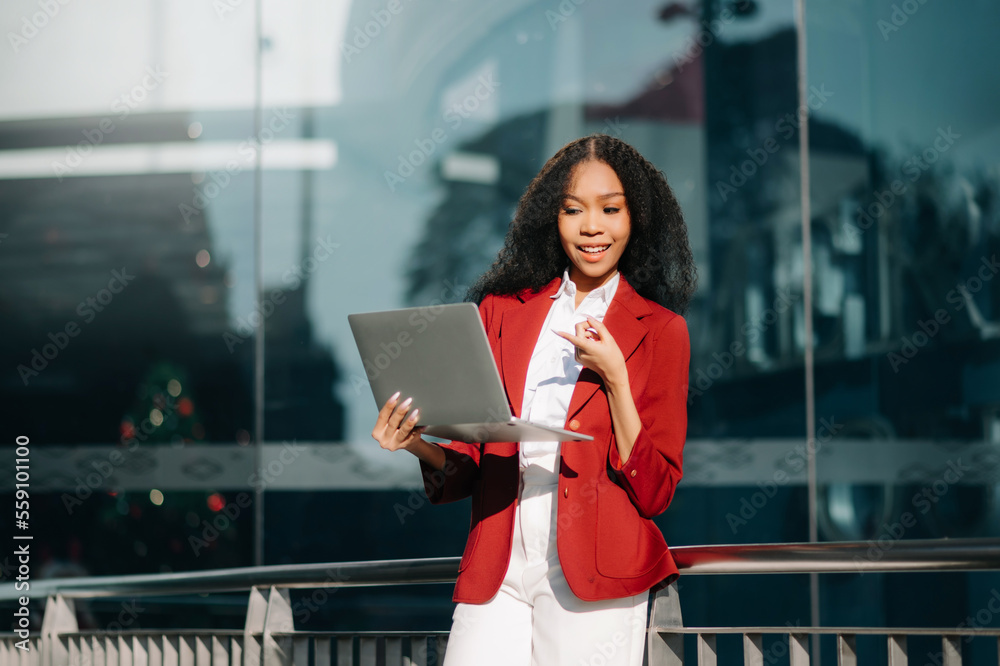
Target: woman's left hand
[(598, 351)]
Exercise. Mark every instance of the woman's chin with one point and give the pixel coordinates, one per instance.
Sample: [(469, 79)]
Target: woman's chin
[(595, 272)]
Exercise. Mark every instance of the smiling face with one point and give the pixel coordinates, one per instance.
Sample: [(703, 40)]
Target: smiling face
[(594, 224)]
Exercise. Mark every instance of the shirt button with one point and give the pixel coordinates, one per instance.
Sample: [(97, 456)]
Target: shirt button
[(574, 425), (565, 492), (633, 473)]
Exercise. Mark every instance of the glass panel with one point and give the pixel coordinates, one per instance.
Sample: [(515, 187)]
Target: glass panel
[(126, 254), (906, 232)]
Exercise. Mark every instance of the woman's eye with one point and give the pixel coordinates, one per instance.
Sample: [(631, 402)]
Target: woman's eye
[(571, 211), (611, 210)]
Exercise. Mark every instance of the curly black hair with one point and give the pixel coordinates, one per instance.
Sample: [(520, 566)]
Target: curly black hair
[(657, 261)]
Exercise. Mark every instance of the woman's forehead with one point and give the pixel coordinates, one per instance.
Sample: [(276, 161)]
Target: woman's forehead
[(594, 176)]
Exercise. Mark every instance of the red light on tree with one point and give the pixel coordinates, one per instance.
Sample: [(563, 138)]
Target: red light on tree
[(216, 501)]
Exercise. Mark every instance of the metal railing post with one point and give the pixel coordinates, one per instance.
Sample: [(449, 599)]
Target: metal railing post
[(753, 649), (798, 649), (665, 649), (254, 624), (951, 651), (847, 650), (278, 651), (897, 650), (59, 617), (269, 612)]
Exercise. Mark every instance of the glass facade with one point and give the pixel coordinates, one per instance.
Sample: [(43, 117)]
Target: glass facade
[(193, 196), (905, 236)]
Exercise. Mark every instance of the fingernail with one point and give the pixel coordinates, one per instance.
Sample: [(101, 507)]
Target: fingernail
[(393, 396), (406, 403), (415, 415)]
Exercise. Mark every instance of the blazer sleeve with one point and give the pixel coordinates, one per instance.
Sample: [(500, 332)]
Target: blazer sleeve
[(457, 479), (652, 471)]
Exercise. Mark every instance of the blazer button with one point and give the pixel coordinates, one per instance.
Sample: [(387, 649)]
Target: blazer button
[(574, 425), (633, 473), (565, 492)]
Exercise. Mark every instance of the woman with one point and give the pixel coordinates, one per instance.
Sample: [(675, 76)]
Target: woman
[(579, 308)]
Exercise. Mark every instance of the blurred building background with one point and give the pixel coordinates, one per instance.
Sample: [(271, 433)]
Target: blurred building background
[(194, 195)]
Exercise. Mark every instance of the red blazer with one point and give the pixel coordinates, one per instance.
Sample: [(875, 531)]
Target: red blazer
[(608, 545)]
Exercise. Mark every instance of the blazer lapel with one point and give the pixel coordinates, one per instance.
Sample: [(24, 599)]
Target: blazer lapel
[(519, 329), (520, 326), (624, 322)]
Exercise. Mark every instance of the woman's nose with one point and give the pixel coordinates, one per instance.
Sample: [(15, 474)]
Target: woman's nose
[(590, 224)]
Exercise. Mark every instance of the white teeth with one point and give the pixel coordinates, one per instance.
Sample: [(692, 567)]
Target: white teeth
[(595, 250)]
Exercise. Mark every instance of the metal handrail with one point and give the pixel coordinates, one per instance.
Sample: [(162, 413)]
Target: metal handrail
[(332, 574), (841, 557), (926, 555)]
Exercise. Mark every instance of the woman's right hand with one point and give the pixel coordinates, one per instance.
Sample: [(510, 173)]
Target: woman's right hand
[(395, 430)]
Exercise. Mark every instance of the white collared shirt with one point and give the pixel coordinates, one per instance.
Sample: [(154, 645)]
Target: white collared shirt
[(553, 368)]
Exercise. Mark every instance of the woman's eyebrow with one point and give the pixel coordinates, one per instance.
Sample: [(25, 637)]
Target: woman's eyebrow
[(609, 195)]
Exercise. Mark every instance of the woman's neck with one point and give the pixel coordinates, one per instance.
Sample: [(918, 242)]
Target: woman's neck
[(585, 284)]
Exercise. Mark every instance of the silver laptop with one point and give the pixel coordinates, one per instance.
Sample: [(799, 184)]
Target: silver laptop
[(440, 356)]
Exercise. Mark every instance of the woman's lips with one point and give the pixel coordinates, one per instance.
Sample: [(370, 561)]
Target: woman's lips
[(592, 257)]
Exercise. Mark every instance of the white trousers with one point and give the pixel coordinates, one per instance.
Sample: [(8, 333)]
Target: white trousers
[(535, 619)]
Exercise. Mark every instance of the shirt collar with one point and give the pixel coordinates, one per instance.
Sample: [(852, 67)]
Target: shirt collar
[(605, 292)]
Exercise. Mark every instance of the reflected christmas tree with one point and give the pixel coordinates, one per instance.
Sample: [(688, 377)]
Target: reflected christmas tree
[(164, 409)]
